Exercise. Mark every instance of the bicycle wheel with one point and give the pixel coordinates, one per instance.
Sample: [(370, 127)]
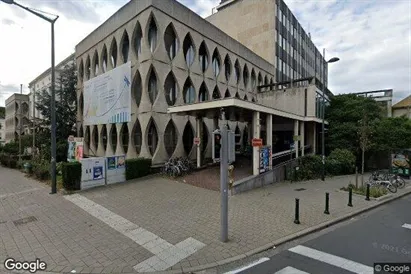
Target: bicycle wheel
[(399, 182), (392, 188)]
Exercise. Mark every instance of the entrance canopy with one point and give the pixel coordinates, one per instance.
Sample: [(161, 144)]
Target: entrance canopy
[(235, 109)]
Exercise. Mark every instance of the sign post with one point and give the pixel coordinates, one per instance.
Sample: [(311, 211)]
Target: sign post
[(224, 179)]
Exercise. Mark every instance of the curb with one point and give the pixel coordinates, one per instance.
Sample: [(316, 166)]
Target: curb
[(294, 236)]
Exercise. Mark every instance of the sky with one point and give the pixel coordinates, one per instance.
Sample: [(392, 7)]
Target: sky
[(372, 38)]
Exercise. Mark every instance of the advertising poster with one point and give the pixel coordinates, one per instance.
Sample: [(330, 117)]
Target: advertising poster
[(75, 149), (98, 173), (116, 169), (107, 97), (111, 163), (265, 153), (400, 163)]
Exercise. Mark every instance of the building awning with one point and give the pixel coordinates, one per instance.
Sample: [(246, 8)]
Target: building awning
[(238, 106)]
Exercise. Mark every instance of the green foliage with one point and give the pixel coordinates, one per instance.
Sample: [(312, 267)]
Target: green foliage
[(71, 175), (2, 113), (138, 167), (41, 168), (8, 160), (11, 148), (344, 115), (310, 167), (375, 192), (341, 161), (393, 134), (66, 105)]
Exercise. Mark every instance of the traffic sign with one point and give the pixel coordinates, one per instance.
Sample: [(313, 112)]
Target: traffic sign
[(257, 142), (197, 141)]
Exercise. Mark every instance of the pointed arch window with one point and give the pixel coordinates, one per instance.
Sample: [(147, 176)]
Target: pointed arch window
[(95, 138), (113, 53), (227, 94), (227, 67), (87, 136), (189, 92), (237, 72), (188, 138), (253, 79), (188, 49), (170, 138), (124, 137), (203, 56), (104, 59), (96, 63), (81, 71), (245, 98), (125, 47), (245, 76), (171, 41), (216, 94), (88, 68), (137, 88), (152, 87), (203, 93), (113, 137), (237, 95), (152, 138), (138, 35), (152, 35), (171, 89), (138, 140), (104, 137), (216, 63), (81, 104)]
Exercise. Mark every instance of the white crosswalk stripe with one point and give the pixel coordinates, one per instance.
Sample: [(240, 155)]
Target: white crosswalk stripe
[(290, 270), (332, 260), (406, 226)]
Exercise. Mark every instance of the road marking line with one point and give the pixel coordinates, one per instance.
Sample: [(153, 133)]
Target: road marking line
[(332, 260), (165, 254), (259, 261), (290, 270), (406, 226)]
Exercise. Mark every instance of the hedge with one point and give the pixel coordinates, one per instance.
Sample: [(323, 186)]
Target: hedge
[(138, 167), (71, 175), (8, 160)]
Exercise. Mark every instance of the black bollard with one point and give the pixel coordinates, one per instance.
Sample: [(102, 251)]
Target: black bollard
[(297, 211), (327, 203), (350, 197), (367, 196)]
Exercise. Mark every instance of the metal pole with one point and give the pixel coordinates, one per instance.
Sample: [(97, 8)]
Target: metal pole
[(53, 116), (223, 180), (297, 211), (327, 203), (20, 120), (34, 122), (323, 116)]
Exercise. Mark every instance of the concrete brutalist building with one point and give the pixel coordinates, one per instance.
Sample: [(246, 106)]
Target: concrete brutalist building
[(184, 71)]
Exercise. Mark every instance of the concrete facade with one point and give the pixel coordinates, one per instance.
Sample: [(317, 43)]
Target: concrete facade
[(384, 97), (402, 108), (17, 115), (270, 29), (183, 70)]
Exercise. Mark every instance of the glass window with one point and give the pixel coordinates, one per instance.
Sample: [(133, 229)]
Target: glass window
[(138, 34), (170, 89), (152, 87), (124, 137), (203, 94), (189, 92), (152, 138), (171, 41), (227, 67), (203, 57), (188, 138), (125, 47), (152, 35), (137, 137), (170, 138), (216, 63), (188, 48)]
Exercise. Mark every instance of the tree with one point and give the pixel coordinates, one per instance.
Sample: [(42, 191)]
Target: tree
[(2, 112), (66, 107), (393, 134), (365, 132), (343, 115)]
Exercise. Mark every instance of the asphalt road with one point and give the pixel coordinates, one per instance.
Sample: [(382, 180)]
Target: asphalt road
[(354, 247)]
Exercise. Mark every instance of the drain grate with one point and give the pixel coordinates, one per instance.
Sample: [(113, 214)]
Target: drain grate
[(23, 221), (299, 189)]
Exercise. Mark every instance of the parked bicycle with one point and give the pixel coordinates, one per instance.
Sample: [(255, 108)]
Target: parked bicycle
[(377, 180), (175, 167), (386, 175)]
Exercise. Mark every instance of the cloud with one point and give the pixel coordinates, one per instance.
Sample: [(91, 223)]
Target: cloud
[(7, 22)]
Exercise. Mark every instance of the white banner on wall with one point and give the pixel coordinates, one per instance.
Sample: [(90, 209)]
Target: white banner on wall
[(107, 97)]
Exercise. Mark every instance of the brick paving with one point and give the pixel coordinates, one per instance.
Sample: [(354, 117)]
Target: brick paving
[(68, 238)]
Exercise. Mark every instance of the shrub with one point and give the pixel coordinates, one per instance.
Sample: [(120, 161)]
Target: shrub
[(41, 170), (310, 167), (11, 148), (8, 160), (138, 167), (375, 192), (71, 175), (342, 162)]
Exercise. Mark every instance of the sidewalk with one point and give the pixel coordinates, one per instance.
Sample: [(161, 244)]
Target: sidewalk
[(155, 223)]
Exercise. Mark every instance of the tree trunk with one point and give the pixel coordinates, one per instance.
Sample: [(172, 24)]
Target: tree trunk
[(362, 168)]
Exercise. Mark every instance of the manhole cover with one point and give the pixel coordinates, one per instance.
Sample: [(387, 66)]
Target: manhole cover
[(23, 221), (299, 189)]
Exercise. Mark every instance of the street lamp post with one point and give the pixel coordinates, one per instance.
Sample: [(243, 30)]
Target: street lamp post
[(53, 96), (332, 60)]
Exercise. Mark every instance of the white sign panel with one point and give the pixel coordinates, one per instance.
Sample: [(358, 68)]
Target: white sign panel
[(93, 172), (107, 97)]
